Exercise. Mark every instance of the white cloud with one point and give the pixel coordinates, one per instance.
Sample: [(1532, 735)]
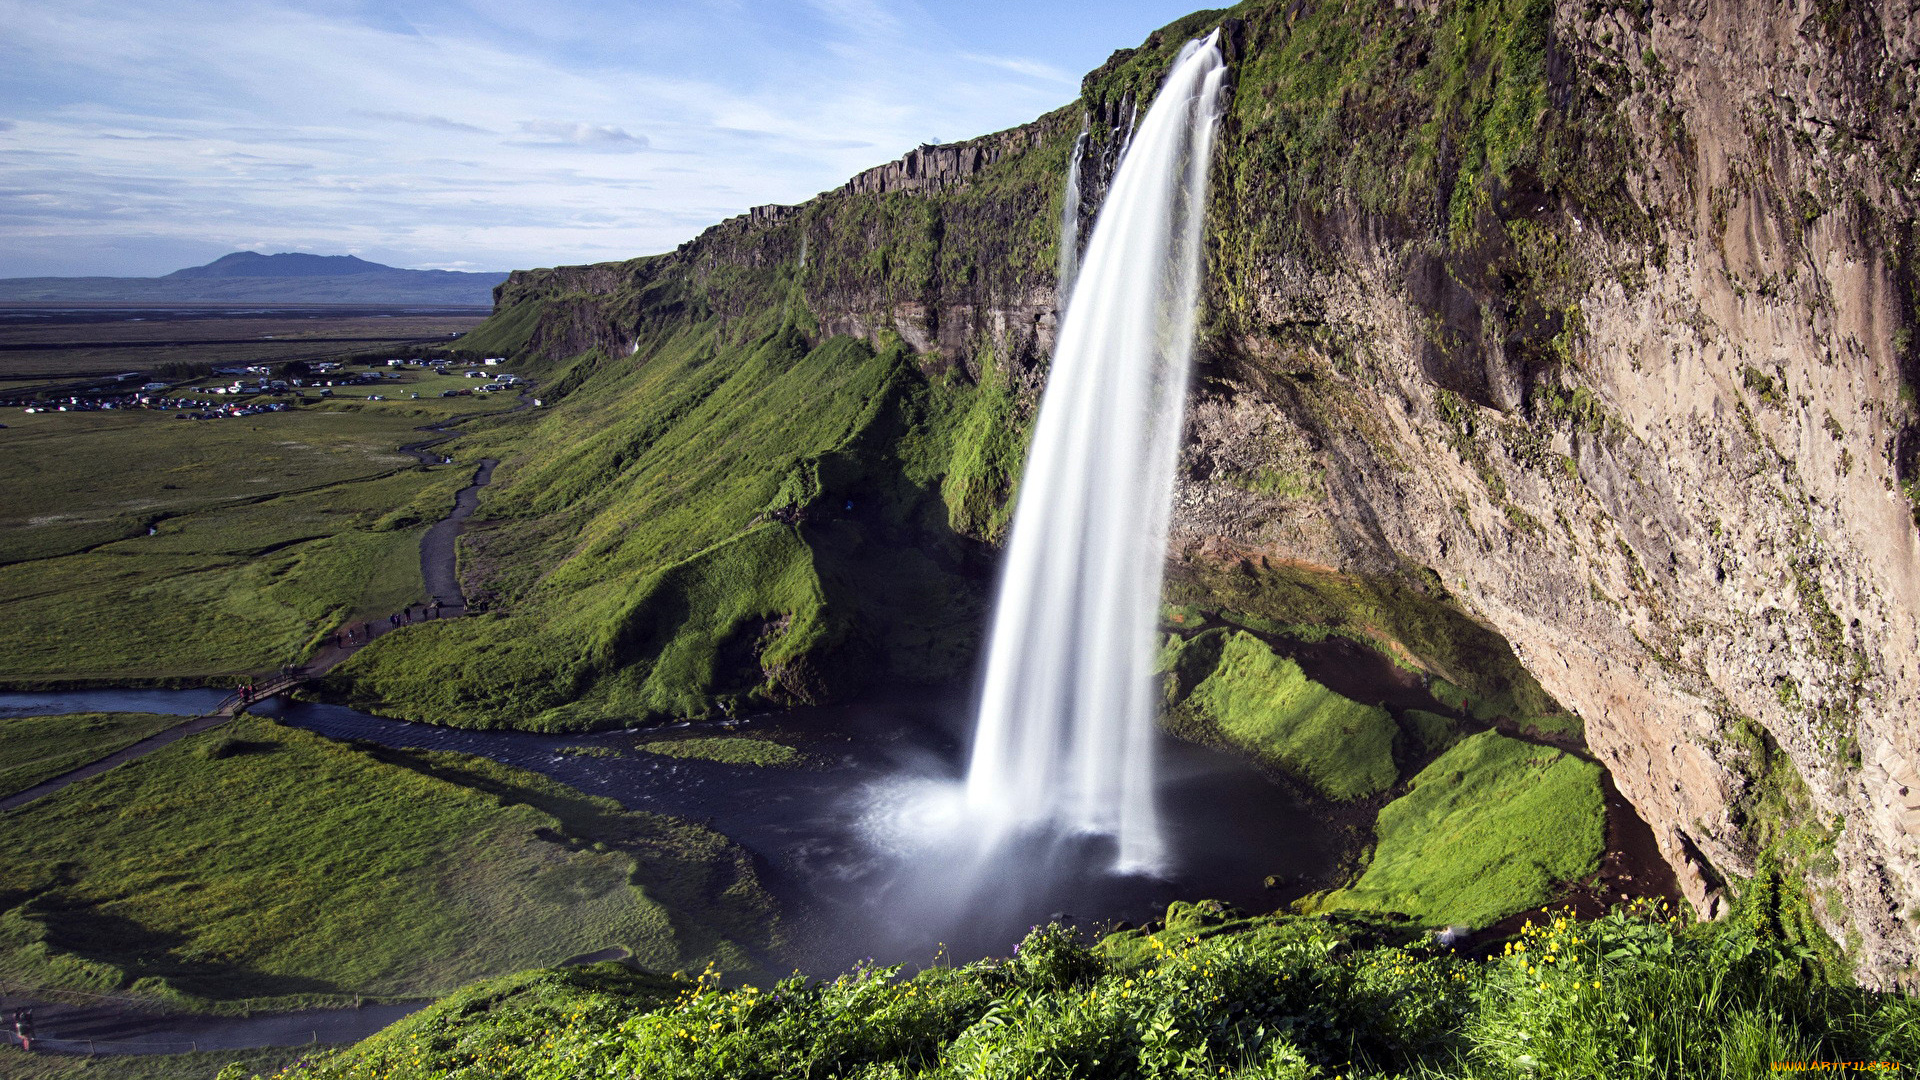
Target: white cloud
[(426, 120), (1032, 69), (606, 138), (304, 123)]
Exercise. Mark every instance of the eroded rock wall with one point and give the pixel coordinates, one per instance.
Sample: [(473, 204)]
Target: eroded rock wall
[(1686, 506)]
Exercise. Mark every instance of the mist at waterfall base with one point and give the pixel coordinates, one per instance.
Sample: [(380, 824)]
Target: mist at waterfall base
[(1059, 804)]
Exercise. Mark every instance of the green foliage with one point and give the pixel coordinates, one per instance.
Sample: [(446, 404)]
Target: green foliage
[(36, 748), (727, 751), (262, 864), (1263, 703), (1633, 993), (1489, 829), (989, 449)]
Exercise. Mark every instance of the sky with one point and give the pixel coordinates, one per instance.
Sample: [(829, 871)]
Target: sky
[(138, 138)]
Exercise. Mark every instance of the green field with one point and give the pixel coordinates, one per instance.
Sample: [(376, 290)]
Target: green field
[(1492, 827), (267, 533), (36, 748), (728, 751), (258, 865)]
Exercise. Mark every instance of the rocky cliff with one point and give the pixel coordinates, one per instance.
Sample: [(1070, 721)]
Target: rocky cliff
[(1592, 320)]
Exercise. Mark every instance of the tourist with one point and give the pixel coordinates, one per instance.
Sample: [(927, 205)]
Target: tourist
[(23, 1026)]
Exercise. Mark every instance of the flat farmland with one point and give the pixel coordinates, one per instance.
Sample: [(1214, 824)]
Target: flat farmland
[(137, 546), (79, 342)]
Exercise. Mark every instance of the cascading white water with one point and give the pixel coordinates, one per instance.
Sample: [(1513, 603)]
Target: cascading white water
[(1064, 736), (1070, 222)]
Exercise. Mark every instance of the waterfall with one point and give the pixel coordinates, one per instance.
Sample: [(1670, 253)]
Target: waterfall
[(1070, 224), (1133, 121), (1064, 736)]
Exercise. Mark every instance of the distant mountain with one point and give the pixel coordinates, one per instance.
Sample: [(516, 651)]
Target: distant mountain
[(248, 277), (284, 265)]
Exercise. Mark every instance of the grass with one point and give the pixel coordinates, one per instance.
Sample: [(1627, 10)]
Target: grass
[(1266, 705), (1433, 731), (16, 1064), (723, 525), (1487, 830), (266, 533), (1636, 993), (258, 866), (727, 751), (36, 748), (74, 480)]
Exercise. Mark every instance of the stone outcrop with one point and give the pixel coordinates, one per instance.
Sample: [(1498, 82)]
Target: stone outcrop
[(942, 165)]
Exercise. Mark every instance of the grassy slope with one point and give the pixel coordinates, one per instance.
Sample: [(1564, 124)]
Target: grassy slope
[(263, 862), (1490, 828), (36, 748), (1264, 704), (674, 539), (1293, 997)]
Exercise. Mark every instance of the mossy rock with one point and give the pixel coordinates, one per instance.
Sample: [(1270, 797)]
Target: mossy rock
[(1265, 704)]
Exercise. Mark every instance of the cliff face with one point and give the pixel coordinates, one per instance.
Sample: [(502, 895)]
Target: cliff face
[(1659, 433), (1595, 320)]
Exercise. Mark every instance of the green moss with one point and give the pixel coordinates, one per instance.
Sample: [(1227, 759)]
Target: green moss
[(1492, 827), (1556, 724), (727, 751), (36, 748), (1408, 618), (1264, 704)]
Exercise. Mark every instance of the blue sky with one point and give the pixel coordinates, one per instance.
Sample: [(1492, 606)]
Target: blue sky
[(137, 138)]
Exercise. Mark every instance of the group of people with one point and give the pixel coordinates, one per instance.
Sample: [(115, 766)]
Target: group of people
[(361, 633), (404, 618)]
